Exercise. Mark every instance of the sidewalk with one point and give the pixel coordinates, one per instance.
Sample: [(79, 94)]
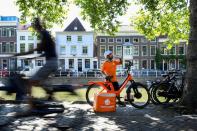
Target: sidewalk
[(81, 117)]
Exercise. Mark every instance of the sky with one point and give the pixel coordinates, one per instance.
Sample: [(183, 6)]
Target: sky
[(9, 8)]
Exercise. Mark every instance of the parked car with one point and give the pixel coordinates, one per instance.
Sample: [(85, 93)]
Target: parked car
[(67, 72)]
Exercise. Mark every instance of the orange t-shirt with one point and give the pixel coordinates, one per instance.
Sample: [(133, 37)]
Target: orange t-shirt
[(109, 67)]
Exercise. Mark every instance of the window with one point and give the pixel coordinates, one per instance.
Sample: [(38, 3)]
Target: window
[(0, 32), (0, 48), (85, 50), (111, 48), (144, 64), (135, 40), (118, 40), (68, 39), (153, 40), (79, 38), (172, 64), (22, 47), (136, 64), (136, 51), (144, 51), (12, 47), (126, 40), (95, 64), (30, 46), (102, 40), (181, 64), (39, 62), (30, 38), (87, 63), (102, 50), (172, 51), (22, 37), (152, 50), (163, 50), (152, 64), (71, 63), (73, 50), (128, 50), (110, 40), (62, 49), (119, 50), (4, 48), (12, 32), (4, 32), (143, 40), (181, 50)]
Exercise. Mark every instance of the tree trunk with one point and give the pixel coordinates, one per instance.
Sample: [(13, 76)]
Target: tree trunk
[(190, 90)]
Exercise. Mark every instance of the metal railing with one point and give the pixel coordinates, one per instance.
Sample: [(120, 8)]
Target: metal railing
[(97, 74)]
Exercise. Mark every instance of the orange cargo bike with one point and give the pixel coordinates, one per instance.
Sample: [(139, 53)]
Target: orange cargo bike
[(137, 94)]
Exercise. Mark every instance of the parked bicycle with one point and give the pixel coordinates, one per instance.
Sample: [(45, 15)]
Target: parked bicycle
[(170, 89), (136, 93)]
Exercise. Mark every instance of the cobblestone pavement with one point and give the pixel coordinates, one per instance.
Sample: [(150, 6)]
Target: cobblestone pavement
[(81, 117)]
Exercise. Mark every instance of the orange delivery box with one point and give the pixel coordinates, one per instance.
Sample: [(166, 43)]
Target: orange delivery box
[(104, 102)]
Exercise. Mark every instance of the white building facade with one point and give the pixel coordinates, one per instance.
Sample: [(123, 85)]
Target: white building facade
[(27, 41), (75, 48)]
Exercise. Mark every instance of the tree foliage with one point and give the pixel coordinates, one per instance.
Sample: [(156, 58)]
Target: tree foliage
[(163, 18), (103, 14), (51, 11)]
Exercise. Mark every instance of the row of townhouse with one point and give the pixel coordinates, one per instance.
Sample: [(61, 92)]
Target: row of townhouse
[(81, 50)]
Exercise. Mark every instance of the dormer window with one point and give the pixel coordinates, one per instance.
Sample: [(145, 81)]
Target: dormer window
[(75, 28)]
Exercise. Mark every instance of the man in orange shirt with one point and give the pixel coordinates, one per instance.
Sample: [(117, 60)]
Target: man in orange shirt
[(109, 70)]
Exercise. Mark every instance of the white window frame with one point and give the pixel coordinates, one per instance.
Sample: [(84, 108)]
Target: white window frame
[(126, 38), (169, 62), (103, 39), (138, 50), (174, 51), (30, 37), (67, 38), (73, 53), (137, 39), (146, 50), (154, 64), (22, 36), (120, 40), (82, 50), (146, 63), (113, 48), (151, 51), (111, 39), (183, 50), (100, 49), (79, 37), (134, 63), (165, 50), (62, 53), (117, 48)]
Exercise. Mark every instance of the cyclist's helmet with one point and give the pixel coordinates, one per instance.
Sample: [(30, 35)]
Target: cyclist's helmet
[(108, 52)]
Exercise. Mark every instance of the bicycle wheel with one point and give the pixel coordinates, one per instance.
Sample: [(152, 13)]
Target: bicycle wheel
[(91, 91), (138, 95), (160, 93), (151, 91)]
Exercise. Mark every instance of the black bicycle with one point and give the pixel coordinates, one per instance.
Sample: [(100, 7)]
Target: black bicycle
[(170, 90)]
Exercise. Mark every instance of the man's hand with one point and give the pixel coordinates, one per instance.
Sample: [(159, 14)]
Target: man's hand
[(108, 78)]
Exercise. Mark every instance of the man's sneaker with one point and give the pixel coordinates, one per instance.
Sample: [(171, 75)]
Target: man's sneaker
[(122, 104)]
